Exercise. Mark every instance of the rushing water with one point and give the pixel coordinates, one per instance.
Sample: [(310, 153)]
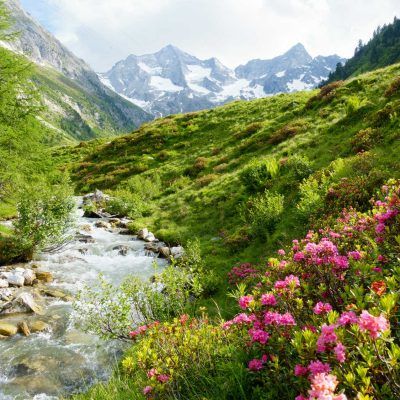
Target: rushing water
[(65, 360)]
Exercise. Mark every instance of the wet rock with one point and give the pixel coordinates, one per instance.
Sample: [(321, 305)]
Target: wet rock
[(3, 283), (8, 329), (177, 252), (143, 233), (58, 294), (85, 238), (122, 249), (35, 385), (15, 279), (92, 214), (150, 237), (165, 252), (44, 276), (29, 277), (27, 301), (86, 228), (125, 232), (38, 326), (151, 247), (83, 251), (96, 197), (102, 224), (24, 328)]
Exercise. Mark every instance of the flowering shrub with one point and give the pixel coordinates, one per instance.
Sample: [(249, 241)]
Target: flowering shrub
[(322, 322), (183, 357)]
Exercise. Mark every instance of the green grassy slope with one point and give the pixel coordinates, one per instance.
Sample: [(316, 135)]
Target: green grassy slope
[(74, 112), (346, 131)]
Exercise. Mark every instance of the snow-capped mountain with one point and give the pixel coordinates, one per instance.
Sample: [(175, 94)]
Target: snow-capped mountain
[(172, 81)]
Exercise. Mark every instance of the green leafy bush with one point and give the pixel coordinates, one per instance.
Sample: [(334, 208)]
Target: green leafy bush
[(185, 358), (258, 174), (111, 312), (44, 218), (297, 168), (264, 212)]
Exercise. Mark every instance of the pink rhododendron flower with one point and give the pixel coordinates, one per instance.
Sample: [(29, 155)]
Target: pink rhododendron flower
[(380, 228), (355, 255), (258, 335), (328, 337), (377, 269), (255, 365), (274, 318), (316, 367), (340, 352), (374, 325), (322, 308), (299, 256), (300, 370), (268, 299), (323, 387), (301, 397), (245, 301), (163, 378), (147, 390), (281, 252), (152, 372), (347, 318)]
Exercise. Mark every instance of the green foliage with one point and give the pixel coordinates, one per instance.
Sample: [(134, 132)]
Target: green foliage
[(111, 312), (196, 357), (264, 212), (133, 196), (353, 104), (257, 175), (44, 217), (297, 168)]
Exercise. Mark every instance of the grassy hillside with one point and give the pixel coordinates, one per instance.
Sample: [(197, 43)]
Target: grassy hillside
[(248, 177), (74, 112), (382, 50)]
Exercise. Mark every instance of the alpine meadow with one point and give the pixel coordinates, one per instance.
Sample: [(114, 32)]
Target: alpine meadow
[(178, 229)]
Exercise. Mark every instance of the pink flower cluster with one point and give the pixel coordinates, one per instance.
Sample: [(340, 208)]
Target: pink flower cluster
[(325, 252), (322, 308), (268, 299), (274, 318), (374, 325), (289, 282), (323, 387), (245, 301), (241, 273)]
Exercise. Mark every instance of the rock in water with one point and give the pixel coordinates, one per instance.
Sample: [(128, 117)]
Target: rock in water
[(44, 276), (3, 284), (16, 280), (150, 238), (23, 328), (39, 326), (177, 252), (27, 300), (143, 233), (29, 277), (7, 329), (165, 252)]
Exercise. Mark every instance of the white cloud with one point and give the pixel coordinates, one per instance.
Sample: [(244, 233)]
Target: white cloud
[(105, 31)]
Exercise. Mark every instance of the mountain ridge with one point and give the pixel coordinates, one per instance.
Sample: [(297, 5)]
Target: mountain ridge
[(81, 106), (173, 81)]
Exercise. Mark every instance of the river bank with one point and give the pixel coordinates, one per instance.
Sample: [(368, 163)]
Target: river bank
[(47, 356)]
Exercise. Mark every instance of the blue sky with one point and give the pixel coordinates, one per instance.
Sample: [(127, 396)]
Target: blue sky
[(105, 31)]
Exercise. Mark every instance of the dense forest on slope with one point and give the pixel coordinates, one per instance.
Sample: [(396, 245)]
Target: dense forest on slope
[(380, 51)]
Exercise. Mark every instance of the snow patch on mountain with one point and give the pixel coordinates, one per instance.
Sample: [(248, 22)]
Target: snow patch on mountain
[(172, 81)]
